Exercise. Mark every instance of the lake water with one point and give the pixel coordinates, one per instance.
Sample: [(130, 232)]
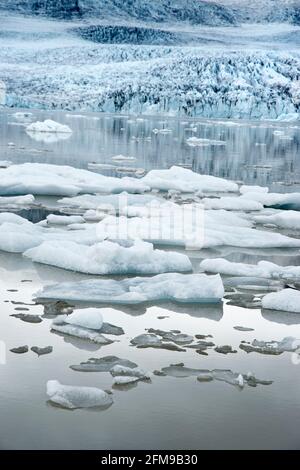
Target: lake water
[(168, 412)]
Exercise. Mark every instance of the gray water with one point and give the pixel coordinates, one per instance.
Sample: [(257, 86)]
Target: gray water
[(168, 413)]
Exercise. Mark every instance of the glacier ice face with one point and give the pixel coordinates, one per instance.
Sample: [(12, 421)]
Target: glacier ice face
[(72, 397), (109, 258), (175, 287), (286, 300)]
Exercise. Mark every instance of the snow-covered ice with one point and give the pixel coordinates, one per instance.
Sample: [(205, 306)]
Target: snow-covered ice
[(285, 219), (232, 204), (48, 126), (72, 397), (64, 219), (195, 288), (109, 258), (286, 300), (17, 200), (88, 318)]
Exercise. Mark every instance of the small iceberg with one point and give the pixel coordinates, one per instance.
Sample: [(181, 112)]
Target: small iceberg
[(189, 288), (232, 204), (72, 397), (48, 126), (287, 300), (287, 219), (275, 348), (104, 364)]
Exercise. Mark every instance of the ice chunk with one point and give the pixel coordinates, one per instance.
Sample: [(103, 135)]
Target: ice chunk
[(88, 318), (109, 258), (48, 126), (287, 219), (11, 218), (59, 180), (175, 287), (287, 300), (289, 344), (232, 204), (60, 325), (17, 200), (185, 180), (289, 201), (179, 338), (153, 341), (72, 397), (64, 219), (124, 380), (119, 370), (264, 269), (42, 351), (111, 202), (104, 364)]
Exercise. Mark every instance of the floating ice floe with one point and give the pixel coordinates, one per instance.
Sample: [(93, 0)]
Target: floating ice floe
[(48, 126), (190, 228), (125, 375), (287, 219), (178, 337), (5, 163), (172, 286), (185, 180), (111, 202), (88, 318), (288, 201), (17, 200), (60, 325), (263, 269), (232, 204), (72, 397), (64, 219), (59, 180), (109, 258), (42, 351), (103, 364), (153, 341), (223, 375), (286, 300), (197, 142), (275, 348)]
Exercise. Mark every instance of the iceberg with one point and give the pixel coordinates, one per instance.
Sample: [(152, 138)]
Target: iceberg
[(264, 269), (72, 397), (88, 318), (64, 219), (17, 200), (48, 126), (287, 300), (60, 325), (190, 288), (58, 180), (288, 201), (275, 348), (285, 219), (109, 258), (185, 180)]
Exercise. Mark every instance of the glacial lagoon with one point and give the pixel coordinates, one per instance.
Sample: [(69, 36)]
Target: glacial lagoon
[(173, 409)]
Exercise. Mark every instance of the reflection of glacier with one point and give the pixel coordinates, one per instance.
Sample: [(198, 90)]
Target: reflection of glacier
[(182, 80)]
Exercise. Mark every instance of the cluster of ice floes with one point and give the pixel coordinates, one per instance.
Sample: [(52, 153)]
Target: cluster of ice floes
[(109, 258), (68, 396), (172, 286)]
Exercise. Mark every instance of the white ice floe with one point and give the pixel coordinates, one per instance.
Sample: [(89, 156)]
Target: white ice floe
[(286, 300), (110, 202), (88, 318), (197, 288), (120, 370), (59, 180), (197, 142), (61, 325), (5, 163), (290, 201), (17, 200), (263, 269), (64, 219), (232, 204), (185, 180), (72, 397), (48, 126), (109, 258), (253, 189), (197, 229), (287, 219)]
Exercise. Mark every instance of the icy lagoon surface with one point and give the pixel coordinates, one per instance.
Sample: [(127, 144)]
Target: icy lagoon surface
[(173, 409)]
